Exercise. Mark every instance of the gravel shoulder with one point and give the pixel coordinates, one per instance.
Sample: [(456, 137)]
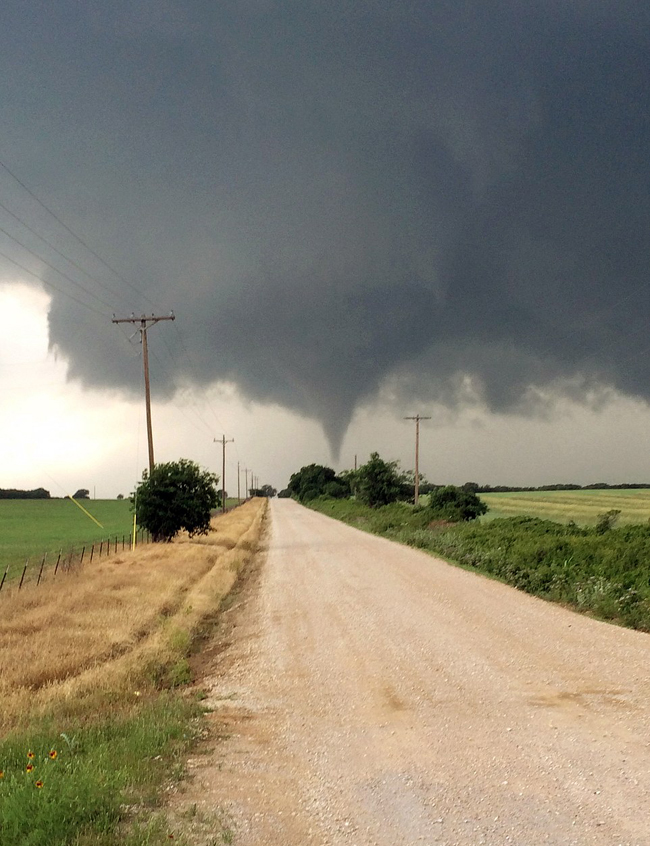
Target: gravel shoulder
[(366, 693)]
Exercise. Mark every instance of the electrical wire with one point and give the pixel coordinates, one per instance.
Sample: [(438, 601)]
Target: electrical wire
[(206, 427), (62, 223), (99, 258), (194, 369), (50, 284), (52, 246), (55, 269)]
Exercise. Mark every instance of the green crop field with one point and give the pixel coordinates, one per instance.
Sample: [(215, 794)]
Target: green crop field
[(563, 506), (31, 527)]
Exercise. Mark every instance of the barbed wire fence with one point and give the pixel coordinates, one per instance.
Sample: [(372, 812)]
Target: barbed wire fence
[(36, 571)]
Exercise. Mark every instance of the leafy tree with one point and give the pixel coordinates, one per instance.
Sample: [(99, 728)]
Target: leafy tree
[(82, 493), (315, 480), (285, 493), (455, 504), (379, 482), (14, 493), (177, 495), (120, 496)]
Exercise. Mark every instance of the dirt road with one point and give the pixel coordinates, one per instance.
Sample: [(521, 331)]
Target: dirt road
[(372, 694)]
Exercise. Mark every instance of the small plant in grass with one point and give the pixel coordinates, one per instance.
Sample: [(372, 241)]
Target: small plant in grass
[(58, 796), (607, 520)]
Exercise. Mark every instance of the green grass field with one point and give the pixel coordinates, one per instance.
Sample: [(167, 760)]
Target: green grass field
[(563, 506), (31, 527)]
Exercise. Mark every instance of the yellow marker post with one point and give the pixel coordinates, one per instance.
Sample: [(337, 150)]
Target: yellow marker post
[(87, 513)]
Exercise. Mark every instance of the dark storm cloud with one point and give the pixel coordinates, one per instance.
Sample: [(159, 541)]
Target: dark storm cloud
[(331, 194)]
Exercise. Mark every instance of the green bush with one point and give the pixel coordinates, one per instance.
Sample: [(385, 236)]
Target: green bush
[(174, 496), (314, 481), (379, 482), (455, 504)]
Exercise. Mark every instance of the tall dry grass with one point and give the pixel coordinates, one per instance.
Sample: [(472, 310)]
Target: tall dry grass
[(114, 627)]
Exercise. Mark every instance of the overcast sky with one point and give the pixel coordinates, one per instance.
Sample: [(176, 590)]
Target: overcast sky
[(356, 210)]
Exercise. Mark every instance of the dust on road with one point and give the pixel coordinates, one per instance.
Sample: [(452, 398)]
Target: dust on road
[(370, 694)]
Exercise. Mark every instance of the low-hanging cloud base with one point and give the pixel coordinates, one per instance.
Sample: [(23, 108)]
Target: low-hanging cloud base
[(333, 197)]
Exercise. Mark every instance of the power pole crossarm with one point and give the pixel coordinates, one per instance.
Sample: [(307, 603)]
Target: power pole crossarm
[(146, 323), (417, 418)]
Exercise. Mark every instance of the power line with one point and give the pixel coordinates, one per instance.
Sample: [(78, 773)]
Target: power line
[(55, 269), (52, 285), (192, 362), (56, 250), (62, 223)]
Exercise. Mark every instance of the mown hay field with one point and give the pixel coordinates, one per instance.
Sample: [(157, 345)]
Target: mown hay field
[(119, 626), (29, 528), (583, 507)]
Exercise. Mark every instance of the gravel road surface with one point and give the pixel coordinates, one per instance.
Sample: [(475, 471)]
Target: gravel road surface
[(367, 693)]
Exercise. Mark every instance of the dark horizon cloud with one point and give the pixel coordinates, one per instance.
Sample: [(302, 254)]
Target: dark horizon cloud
[(333, 195)]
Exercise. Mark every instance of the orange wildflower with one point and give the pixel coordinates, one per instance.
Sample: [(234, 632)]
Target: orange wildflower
[(52, 753), (39, 783), (30, 755), (29, 768)]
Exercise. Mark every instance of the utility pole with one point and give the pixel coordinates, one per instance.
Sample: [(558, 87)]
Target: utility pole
[(223, 443), (238, 488), (245, 482), (417, 419), (145, 323)]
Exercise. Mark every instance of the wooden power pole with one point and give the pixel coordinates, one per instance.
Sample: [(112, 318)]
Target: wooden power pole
[(145, 323), (238, 485), (222, 440), (417, 419)]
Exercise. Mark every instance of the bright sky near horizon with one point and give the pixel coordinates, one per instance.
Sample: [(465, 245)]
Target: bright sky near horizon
[(56, 435), (357, 212)]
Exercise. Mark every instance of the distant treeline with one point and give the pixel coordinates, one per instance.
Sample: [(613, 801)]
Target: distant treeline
[(13, 493), (597, 486)]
